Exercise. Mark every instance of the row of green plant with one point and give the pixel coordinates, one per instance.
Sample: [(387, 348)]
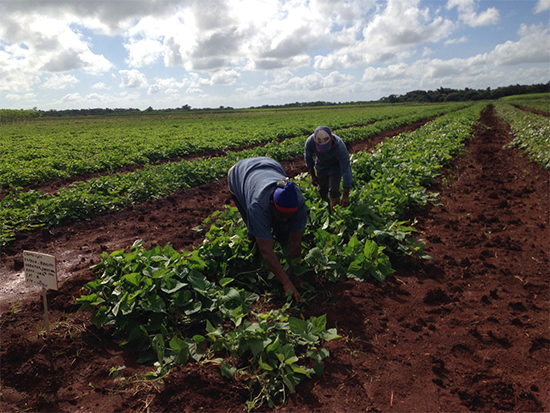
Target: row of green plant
[(537, 101), (23, 211), (212, 303), (531, 132), (49, 149)]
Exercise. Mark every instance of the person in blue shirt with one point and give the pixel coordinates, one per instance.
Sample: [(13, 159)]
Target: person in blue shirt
[(272, 207), (328, 164)]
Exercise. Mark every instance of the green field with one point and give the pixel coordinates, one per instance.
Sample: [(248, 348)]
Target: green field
[(39, 150), (68, 147), (174, 307)]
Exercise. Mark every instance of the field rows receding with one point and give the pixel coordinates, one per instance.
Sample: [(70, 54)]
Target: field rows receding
[(468, 331), (21, 211), (42, 150), (139, 293), (147, 220)]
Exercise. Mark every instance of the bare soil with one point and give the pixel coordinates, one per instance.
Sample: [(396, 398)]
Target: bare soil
[(466, 331)]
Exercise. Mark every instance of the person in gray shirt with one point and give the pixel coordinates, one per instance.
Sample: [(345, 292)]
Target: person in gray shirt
[(273, 209)]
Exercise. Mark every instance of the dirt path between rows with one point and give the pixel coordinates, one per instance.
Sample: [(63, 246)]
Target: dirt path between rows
[(467, 331)]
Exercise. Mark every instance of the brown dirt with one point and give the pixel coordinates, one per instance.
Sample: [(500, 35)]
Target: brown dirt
[(467, 331)]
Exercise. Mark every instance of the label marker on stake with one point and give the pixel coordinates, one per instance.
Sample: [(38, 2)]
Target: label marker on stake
[(40, 270)]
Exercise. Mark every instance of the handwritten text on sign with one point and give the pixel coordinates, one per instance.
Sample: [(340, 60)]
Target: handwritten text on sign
[(40, 269)]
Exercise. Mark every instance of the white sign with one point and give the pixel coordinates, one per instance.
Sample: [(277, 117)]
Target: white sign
[(40, 269)]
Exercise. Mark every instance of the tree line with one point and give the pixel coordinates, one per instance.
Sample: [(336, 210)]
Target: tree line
[(416, 96), (467, 94)]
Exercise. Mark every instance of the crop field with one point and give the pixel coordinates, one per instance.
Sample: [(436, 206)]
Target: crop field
[(430, 292)]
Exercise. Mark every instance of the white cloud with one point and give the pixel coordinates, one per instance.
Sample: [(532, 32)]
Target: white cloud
[(264, 35), (392, 33), (315, 82), (195, 91), (542, 5), (272, 63), (194, 36), (17, 97), (100, 86), (531, 48), (61, 82), (427, 52), (459, 40), (154, 89), (490, 67), (143, 52), (12, 79), (388, 73), (467, 13), (72, 97), (275, 50), (224, 77), (32, 44), (167, 85), (96, 97), (106, 17), (133, 79), (49, 44)]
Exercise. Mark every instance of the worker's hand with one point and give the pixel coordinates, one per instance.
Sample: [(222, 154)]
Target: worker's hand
[(345, 201), (314, 180)]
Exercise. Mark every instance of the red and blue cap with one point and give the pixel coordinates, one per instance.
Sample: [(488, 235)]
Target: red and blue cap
[(323, 139), (286, 198)]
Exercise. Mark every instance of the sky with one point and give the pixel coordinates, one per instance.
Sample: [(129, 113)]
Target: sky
[(78, 54)]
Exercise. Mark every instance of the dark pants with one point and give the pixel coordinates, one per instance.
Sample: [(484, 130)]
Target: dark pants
[(329, 183)]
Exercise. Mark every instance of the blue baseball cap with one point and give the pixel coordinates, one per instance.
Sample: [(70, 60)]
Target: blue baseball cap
[(286, 199)]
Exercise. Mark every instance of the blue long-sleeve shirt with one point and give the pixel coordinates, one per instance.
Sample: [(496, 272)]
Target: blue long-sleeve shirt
[(335, 161)]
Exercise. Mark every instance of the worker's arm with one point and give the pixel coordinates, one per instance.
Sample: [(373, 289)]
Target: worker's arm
[(273, 264), (313, 175), (345, 198)]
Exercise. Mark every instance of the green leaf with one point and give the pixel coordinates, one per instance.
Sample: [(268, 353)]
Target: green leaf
[(228, 371), (181, 350), (154, 303), (173, 286), (137, 336), (158, 345), (370, 250), (289, 383), (274, 346), (177, 343), (225, 281), (300, 370), (197, 349), (133, 278), (288, 354), (256, 346), (264, 365)]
